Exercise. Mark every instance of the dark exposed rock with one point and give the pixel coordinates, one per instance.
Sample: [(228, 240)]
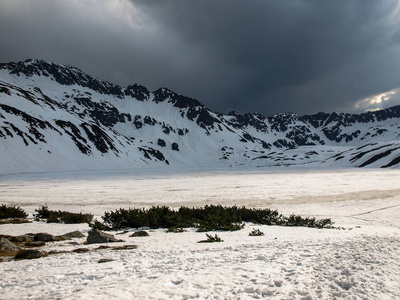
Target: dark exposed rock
[(138, 123), (103, 112), (65, 75), (76, 135), (362, 153), (392, 163), (161, 143), (164, 94), (377, 157), (167, 129), (96, 237), (205, 119), (175, 146), (182, 131), (125, 247), (149, 121), (34, 125), (137, 91), (150, 152), (81, 250), (99, 138), (105, 260)]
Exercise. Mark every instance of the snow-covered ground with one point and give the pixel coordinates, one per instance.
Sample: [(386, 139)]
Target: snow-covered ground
[(359, 261)]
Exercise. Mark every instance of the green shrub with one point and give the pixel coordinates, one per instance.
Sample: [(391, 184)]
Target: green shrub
[(98, 225), (211, 239), (208, 218), (42, 212), (11, 211), (294, 220), (52, 216), (175, 229), (256, 232)]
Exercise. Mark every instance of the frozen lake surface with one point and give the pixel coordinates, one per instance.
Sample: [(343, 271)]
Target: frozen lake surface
[(359, 261)]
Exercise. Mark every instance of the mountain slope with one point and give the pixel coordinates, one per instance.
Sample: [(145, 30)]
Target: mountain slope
[(56, 117)]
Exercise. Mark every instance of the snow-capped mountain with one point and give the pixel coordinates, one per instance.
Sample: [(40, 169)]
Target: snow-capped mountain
[(56, 117)]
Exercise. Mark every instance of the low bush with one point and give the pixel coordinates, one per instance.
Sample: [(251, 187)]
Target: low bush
[(208, 218), (52, 216), (211, 239), (294, 220), (256, 232), (175, 229), (11, 211)]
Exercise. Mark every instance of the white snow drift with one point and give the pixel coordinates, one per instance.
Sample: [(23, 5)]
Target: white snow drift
[(358, 261)]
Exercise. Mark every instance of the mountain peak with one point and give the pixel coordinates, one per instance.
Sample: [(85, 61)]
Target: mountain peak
[(137, 91), (62, 74), (91, 125), (178, 100)]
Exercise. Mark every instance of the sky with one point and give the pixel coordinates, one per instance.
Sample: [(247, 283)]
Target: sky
[(265, 56)]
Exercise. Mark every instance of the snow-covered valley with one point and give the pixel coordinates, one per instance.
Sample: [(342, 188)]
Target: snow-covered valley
[(360, 260)]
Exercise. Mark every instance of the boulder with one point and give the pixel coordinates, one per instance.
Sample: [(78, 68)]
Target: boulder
[(19, 239), (70, 235), (73, 234), (44, 237), (139, 233), (7, 246), (96, 237), (30, 254), (22, 238)]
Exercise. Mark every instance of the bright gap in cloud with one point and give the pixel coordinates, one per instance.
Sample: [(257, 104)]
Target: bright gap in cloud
[(379, 101)]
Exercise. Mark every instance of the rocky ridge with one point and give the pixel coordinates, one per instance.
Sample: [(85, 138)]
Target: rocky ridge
[(56, 117)]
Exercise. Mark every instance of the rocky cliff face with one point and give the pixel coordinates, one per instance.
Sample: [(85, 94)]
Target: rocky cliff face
[(56, 117)]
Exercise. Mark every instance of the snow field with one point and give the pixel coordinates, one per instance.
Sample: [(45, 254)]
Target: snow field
[(358, 261), (168, 265)]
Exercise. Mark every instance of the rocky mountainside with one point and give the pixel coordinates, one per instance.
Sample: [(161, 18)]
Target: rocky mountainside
[(56, 117)]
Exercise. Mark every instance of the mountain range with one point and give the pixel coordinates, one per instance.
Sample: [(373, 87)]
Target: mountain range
[(55, 117)]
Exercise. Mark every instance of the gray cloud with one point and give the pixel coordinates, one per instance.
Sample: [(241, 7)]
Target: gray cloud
[(266, 56)]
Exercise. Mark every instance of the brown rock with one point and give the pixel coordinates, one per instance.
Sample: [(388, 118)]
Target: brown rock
[(81, 250), (30, 254), (104, 260), (73, 234), (125, 247), (44, 237), (139, 233), (35, 244), (96, 236), (20, 238), (14, 221), (7, 246)]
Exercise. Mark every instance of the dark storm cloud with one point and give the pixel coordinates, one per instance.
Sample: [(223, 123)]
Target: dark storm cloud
[(302, 56)]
